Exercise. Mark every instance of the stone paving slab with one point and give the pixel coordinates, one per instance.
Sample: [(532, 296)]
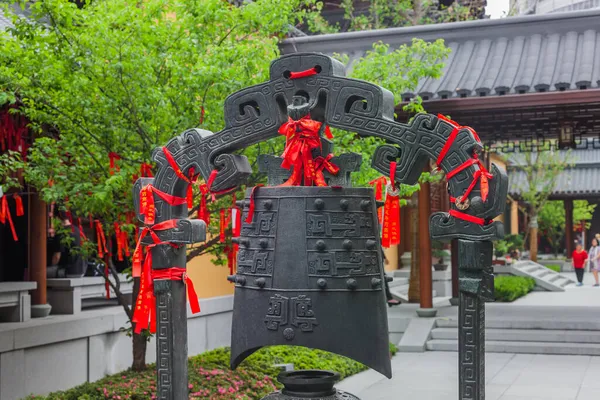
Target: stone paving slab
[(434, 375)]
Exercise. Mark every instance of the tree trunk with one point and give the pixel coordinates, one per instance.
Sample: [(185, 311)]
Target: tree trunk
[(414, 284), (533, 238), (139, 341)]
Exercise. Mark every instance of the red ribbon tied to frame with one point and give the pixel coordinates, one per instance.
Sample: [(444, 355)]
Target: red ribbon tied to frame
[(144, 314), (481, 174)]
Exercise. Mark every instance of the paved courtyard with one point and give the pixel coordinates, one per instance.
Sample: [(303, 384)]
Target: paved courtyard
[(434, 376)]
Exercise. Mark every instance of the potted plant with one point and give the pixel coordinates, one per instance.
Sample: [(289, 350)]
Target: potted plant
[(500, 250), (439, 252)]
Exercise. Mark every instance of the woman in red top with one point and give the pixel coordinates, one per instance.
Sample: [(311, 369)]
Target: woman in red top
[(580, 256)]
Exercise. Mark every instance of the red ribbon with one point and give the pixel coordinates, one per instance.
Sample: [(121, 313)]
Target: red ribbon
[(113, 157), (19, 205), (390, 235), (250, 215), (467, 217), (481, 174), (222, 226), (137, 253), (144, 314), (119, 241), (5, 215), (101, 239), (146, 170), (83, 237), (303, 74), (379, 184), (324, 163), (147, 208)]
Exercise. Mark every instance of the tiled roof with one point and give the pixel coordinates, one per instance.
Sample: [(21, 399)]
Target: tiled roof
[(580, 179), (572, 182), (490, 57)]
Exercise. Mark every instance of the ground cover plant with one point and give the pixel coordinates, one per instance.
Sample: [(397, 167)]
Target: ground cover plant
[(553, 267), (510, 288), (211, 378)]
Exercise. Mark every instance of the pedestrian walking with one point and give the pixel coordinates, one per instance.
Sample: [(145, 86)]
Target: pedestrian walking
[(579, 256), (594, 257)]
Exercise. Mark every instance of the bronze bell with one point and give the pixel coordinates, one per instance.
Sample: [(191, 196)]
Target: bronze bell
[(309, 274)]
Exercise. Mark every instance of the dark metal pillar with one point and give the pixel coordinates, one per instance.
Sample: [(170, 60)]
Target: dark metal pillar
[(454, 257), (425, 264), (171, 328), (476, 287)]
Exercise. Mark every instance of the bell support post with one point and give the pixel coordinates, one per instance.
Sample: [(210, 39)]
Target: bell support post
[(167, 259)]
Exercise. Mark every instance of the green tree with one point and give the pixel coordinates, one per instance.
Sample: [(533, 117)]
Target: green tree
[(552, 220), (116, 77), (380, 14), (542, 169)]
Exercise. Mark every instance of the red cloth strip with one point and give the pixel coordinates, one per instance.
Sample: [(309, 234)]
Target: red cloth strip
[(5, 216), (137, 253), (379, 184), (19, 201), (144, 315), (83, 237), (303, 74), (113, 157), (250, 215), (393, 174), (467, 217)]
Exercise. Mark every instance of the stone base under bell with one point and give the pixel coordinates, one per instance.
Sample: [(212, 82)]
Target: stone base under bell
[(309, 384)]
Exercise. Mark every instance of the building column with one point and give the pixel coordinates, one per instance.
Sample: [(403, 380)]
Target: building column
[(514, 218), (425, 266), (569, 227), (37, 248)]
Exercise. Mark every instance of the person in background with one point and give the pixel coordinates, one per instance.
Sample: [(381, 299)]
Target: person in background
[(594, 257), (579, 256)]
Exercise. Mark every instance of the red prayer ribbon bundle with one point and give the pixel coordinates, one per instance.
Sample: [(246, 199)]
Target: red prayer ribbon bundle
[(390, 235), (13, 132), (302, 137)]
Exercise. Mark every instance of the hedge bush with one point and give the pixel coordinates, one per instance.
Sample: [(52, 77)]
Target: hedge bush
[(510, 288), (553, 267), (211, 378)]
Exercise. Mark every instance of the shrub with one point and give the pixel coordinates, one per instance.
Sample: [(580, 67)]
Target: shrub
[(209, 376), (510, 288), (553, 267)]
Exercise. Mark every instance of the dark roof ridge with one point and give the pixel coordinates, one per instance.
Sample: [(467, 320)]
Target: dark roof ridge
[(446, 30)]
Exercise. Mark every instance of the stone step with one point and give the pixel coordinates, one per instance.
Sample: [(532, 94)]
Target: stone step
[(525, 335), (531, 323), (544, 278), (493, 346)]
